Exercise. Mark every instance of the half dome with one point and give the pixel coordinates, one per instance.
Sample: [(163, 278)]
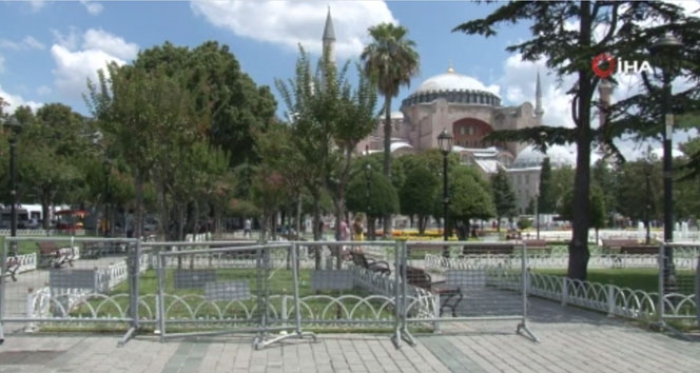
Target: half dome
[(559, 156)]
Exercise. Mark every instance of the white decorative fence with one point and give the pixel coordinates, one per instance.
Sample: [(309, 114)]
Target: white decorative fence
[(59, 302), (614, 300)]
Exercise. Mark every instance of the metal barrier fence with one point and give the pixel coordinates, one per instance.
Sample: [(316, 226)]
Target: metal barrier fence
[(63, 281), (233, 288), (464, 286), (678, 300), (180, 289)]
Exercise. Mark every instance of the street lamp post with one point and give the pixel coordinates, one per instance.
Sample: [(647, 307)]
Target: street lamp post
[(15, 127), (647, 211), (445, 144), (107, 217), (368, 177), (537, 214), (666, 48)]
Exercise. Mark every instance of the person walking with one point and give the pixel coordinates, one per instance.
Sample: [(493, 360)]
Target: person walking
[(247, 228)]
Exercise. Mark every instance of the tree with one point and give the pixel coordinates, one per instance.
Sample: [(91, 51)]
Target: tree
[(236, 105), (605, 177), (564, 34), (383, 199), (390, 61), (418, 194), (546, 201), (597, 203), (356, 118), (157, 108), (562, 182), (310, 114), (470, 197), (638, 200), (504, 198)]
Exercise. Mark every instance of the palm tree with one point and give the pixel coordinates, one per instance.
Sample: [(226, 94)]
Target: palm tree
[(390, 61)]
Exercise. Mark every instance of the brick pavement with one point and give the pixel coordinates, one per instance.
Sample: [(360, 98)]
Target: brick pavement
[(572, 341)]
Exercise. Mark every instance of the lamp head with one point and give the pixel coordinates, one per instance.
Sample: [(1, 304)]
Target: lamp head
[(445, 142), (665, 44), (13, 125)]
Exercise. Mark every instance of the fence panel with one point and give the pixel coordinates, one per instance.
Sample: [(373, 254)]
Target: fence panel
[(677, 306), (227, 287), (466, 281), (66, 283), (348, 284)]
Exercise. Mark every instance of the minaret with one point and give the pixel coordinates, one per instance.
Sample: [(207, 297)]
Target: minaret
[(605, 89), (539, 112), (329, 37)]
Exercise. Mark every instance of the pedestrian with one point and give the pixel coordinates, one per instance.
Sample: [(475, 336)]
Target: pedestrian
[(247, 228)]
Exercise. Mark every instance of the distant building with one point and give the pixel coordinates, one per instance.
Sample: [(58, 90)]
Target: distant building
[(465, 107)]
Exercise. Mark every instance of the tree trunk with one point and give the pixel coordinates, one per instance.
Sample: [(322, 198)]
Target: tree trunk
[(164, 211), (387, 156), (498, 224), (138, 219), (316, 230), (578, 248), (45, 202), (339, 217)]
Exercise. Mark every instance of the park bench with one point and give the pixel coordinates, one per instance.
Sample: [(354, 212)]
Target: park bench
[(537, 247), (50, 255), (487, 249), (93, 250), (12, 267), (611, 246), (359, 259), (639, 250), (421, 279)]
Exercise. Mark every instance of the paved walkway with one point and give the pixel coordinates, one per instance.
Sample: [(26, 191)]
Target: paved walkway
[(572, 341)]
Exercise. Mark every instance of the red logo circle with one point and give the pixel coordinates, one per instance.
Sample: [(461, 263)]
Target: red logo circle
[(601, 59)]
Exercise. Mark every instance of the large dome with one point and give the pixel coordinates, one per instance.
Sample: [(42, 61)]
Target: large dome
[(451, 81), (455, 88), (559, 156)]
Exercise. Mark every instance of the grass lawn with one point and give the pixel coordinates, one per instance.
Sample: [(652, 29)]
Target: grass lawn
[(280, 283), (646, 279)]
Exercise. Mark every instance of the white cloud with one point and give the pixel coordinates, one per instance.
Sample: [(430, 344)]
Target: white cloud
[(29, 42), (15, 101), (43, 90), (518, 83), (288, 23), (74, 67), (92, 7)]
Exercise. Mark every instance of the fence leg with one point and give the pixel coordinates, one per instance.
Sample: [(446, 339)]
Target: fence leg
[(30, 311), (298, 333), (134, 272), (3, 274), (436, 313), (523, 328), (610, 290), (564, 290)]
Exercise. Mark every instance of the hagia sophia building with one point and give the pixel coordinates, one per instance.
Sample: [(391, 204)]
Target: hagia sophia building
[(462, 105)]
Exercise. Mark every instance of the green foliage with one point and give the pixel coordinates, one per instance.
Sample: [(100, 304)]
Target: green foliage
[(605, 178), (418, 192), (217, 86), (504, 198), (470, 196), (568, 51), (383, 197), (524, 223), (562, 182), (598, 214)]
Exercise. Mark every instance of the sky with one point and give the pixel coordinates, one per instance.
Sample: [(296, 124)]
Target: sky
[(48, 50)]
